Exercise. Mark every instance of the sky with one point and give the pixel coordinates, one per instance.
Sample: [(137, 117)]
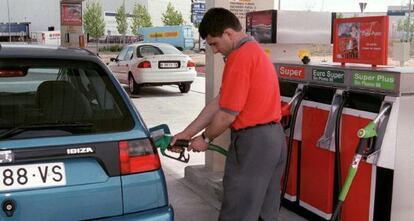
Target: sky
[(340, 5)]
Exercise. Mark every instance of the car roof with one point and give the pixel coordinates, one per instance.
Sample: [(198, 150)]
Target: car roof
[(40, 51), (150, 43)]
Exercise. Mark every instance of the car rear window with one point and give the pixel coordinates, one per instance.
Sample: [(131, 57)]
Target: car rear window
[(167, 49), (54, 92)]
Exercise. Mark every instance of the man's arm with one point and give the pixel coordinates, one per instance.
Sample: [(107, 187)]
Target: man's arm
[(221, 121)]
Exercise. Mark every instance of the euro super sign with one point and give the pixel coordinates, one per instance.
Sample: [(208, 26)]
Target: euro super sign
[(329, 76)]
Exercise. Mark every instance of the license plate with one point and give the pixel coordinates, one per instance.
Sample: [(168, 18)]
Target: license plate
[(169, 64), (32, 176)]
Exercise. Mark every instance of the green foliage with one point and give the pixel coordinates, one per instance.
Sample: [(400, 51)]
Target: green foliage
[(140, 18), (121, 19), (405, 25), (172, 16), (93, 20), (112, 48)]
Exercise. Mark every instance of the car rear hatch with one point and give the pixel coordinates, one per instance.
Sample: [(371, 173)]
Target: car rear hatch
[(63, 182), (171, 63), (71, 145), (80, 181)]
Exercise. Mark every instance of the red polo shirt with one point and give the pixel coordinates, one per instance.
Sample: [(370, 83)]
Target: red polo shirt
[(250, 87)]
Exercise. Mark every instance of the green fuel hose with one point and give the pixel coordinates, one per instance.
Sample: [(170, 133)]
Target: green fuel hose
[(217, 149), (364, 134)]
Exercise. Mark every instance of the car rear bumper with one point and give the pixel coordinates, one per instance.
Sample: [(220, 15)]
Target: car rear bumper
[(165, 77), (160, 214)]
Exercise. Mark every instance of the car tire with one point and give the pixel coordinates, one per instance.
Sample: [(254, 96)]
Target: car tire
[(132, 85), (184, 87)]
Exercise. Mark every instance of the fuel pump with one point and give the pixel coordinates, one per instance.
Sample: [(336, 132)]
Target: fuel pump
[(367, 137), (290, 121)]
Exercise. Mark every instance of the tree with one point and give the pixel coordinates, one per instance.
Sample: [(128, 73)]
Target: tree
[(405, 25), (93, 21), (172, 16), (140, 18), (121, 21)]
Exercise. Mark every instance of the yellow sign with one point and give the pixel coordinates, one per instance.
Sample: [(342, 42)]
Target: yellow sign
[(267, 52), (170, 34)]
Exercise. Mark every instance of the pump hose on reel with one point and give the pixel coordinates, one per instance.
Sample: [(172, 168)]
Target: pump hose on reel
[(337, 137), (290, 146), (365, 135)]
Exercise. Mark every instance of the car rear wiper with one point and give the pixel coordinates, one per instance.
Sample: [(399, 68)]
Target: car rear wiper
[(43, 126)]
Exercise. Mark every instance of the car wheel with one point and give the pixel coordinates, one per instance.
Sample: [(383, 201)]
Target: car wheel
[(132, 85), (184, 87)]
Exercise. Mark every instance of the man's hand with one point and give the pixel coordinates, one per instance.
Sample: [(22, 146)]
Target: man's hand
[(198, 144), (180, 136)]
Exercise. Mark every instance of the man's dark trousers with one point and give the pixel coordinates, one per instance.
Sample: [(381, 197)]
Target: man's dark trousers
[(252, 174)]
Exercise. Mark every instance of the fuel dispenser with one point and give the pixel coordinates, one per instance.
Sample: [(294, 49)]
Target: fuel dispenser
[(290, 112), (339, 101), (292, 89), (317, 157), (366, 146)]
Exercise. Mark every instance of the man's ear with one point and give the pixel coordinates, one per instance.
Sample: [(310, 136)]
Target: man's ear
[(229, 32)]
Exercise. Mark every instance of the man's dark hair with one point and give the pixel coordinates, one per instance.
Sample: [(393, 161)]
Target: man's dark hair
[(216, 20)]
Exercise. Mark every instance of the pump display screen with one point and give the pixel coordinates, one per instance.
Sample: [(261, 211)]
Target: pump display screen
[(262, 25), (361, 40)]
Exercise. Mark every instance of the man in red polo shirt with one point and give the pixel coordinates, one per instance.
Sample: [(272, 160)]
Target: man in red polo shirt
[(248, 104)]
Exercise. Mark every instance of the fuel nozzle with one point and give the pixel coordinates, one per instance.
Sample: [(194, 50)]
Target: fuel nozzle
[(371, 129), (162, 139), (163, 143), (368, 134), (287, 109)]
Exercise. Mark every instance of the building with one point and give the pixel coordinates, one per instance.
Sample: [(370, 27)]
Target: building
[(44, 15)]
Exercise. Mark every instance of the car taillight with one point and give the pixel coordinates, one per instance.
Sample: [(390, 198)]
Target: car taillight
[(137, 156), (144, 64), (190, 64)]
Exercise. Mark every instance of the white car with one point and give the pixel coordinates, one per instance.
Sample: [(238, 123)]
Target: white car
[(153, 64)]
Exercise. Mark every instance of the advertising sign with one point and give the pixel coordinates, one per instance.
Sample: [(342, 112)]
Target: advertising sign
[(295, 72), (361, 40), (262, 25), (198, 9), (16, 29), (71, 14), (169, 34), (374, 80), (328, 76)]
